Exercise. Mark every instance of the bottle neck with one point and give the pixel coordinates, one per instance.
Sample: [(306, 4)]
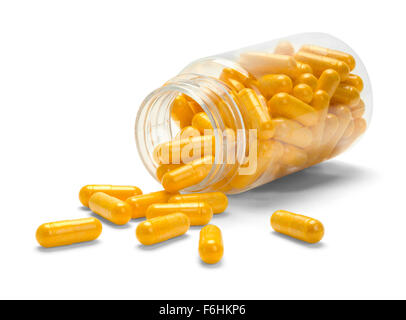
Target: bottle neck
[(155, 126)]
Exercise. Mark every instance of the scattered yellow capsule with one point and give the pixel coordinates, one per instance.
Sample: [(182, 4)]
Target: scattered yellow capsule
[(187, 175), (61, 233), (211, 247), (347, 95), (272, 84), (321, 63), (199, 213), (162, 228), (303, 92), (329, 81), (217, 200), (284, 47), (201, 122), (297, 226), (287, 106), (339, 55), (110, 208), (139, 204), (120, 192)]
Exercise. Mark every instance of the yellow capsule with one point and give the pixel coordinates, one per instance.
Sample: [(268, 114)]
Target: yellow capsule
[(231, 78), (229, 73), (344, 116), (330, 128), (139, 204), (202, 122), (285, 47), (293, 156), (196, 108), (217, 200), (360, 126), (164, 168), (303, 92), (272, 84), (120, 192), (184, 150), (257, 113), (358, 110), (347, 95), (355, 81), (261, 63), (297, 226), (349, 130), (304, 68), (162, 228), (187, 175), (320, 63), (287, 106), (199, 213), (268, 153), (110, 208), (320, 102), (329, 81), (307, 78), (326, 52), (61, 233), (188, 132), (181, 111), (211, 247), (292, 132)]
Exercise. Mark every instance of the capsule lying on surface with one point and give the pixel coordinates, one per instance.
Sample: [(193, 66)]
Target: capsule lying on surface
[(120, 192), (199, 213), (217, 200), (297, 226), (110, 208), (139, 204), (61, 233), (211, 247), (162, 228)]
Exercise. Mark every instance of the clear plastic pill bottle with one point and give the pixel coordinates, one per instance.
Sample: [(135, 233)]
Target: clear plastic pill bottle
[(237, 120)]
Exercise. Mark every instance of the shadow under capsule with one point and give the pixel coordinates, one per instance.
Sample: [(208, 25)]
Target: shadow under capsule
[(318, 245), (162, 244), (74, 246)]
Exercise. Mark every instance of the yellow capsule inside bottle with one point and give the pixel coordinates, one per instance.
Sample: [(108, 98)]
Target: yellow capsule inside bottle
[(303, 68), (329, 81), (164, 168), (292, 132), (257, 113), (181, 112), (321, 63), (358, 110), (217, 200), (335, 54), (272, 84), (162, 228), (199, 213), (202, 123), (61, 233), (120, 192), (110, 208), (211, 248), (285, 47), (187, 175), (287, 106), (307, 78), (355, 81), (139, 204), (347, 95), (303, 92), (297, 226)]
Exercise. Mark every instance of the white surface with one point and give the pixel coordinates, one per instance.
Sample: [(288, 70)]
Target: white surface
[(72, 74)]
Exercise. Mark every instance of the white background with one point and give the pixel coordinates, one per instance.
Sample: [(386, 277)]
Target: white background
[(72, 74)]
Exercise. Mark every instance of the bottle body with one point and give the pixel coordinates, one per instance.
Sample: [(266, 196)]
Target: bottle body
[(262, 112)]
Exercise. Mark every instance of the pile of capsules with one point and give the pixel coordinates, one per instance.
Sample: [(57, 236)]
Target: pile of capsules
[(306, 107), (168, 215)]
